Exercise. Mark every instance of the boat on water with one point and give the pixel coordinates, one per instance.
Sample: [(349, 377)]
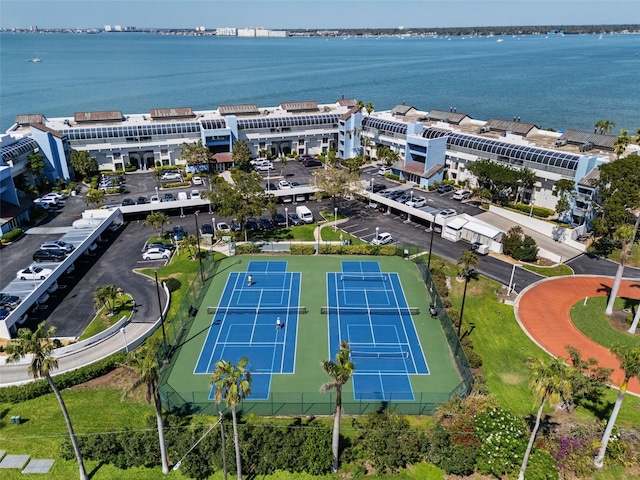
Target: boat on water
[(35, 60)]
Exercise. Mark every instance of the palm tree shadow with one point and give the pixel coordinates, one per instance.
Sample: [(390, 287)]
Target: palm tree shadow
[(547, 424), (95, 470), (604, 288)]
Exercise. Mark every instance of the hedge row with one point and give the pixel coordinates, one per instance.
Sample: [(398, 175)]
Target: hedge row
[(358, 249), (12, 235), (245, 248), (539, 212), (21, 393), (176, 184)]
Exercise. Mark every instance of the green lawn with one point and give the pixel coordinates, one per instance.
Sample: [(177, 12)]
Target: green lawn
[(103, 320), (591, 320), (555, 271)]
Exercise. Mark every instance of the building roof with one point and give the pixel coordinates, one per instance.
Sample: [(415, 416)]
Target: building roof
[(590, 178), (43, 128), (109, 116), (483, 229), (248, 109), (349, 112), (597, 140), (165, 113), (449, 117), (28, 119), (402, 109), (299, 106), (508, 126), (347, 102)]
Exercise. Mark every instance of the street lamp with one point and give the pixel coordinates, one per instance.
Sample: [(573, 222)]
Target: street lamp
[(335, 219), (157, 194), (164, 335), (513, 271), (198, 241), (124, 335), (286, 215), (377, 230), (467, 274), (433, 229), (411, 200)]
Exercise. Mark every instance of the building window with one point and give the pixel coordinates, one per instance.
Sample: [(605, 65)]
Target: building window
[(301, 142)]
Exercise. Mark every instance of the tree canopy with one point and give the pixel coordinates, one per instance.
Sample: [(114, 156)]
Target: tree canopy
[(84, 165), (241, 156), (334, 182), (195, 153)]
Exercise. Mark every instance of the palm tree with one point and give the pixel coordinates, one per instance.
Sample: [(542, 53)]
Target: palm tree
[(605, 126), (627, 236), (233, 384), (144, 363), (629, 362), (621, 143), (549, 382), (340, 372), (39, 345), (157, 220), (105, 296), (191, 242), (467, 262)]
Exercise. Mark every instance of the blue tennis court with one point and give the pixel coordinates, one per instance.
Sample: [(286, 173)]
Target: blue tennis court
[(368, 308), (257, 318)]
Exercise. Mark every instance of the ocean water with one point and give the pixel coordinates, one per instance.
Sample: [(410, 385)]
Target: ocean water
[(558, 82)]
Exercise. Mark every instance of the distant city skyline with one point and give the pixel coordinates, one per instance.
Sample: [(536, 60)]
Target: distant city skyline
[(313, 14)]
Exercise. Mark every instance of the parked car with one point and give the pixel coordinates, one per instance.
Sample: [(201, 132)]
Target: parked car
[(42, 205), (155, 199), (405, 197), (271, 187), (206, 229), (449, 212), (128, 202), (170, 175), (384, 170), (34, 273), (266, 223), (179, 233), (53, 287), (462, 194), (378, 187), (313, 163), (444, 188), (4, 313), (195, 193), (382, 239), (284, 185), (417, 202), (49, 255), (164, 245), (394, 194), (252, 225), (168, 197), (142, 201), (235, 226), (9, 301), (294, 219), (223, 227), (280, 220), (259, 161), (58, 195), (43, 298), (305, 158), (156, 254), (57, 245), (51, 201), (263, 167), (197, 180)]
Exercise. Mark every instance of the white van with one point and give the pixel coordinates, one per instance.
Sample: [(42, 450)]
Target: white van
[(305, 214), (183, 196)]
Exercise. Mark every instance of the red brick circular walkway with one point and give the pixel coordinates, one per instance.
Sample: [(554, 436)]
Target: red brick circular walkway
[(543, 310)]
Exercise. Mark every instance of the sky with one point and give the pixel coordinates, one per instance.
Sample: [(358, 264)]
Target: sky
[(320, 14)]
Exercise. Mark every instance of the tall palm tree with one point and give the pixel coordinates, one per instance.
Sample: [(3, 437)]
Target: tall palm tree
[(340, 372), (157, 220), (467, 262), (627, 236), (144, 363), (621, 143), (39, 345), (605, 126), (549, 382), (233, 384), (629, 362)]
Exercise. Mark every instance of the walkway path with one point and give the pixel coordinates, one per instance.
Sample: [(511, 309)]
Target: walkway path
[(543, 310)]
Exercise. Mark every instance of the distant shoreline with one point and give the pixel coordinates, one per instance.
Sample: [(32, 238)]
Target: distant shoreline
[(373, 32)]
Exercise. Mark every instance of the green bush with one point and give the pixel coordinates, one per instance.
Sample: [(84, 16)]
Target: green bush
[(539, 212), (130, 167), (115, 190), (503, 440), (12, 235), (176, 184), (302, 249), (21, 393), (245, 248)]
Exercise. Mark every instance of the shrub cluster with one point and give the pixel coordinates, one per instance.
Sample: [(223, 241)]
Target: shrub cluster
[(519, 246), (12, 235), (21, 393), (245, 248), (176, 184), (358, 249), (302, 249)]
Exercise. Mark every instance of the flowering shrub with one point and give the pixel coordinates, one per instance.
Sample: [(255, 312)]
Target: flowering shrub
[(503, 438), (573, 457)]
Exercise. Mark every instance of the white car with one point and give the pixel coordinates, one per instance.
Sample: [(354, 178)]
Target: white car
[(154, 199), (382, 239), (197, 181), (417, 202), (263, 167), (171, 176), (48, 200), (259, 161), (195, 193), (156, 254), (449, 212), (462, 194), (384, 170), (57, 195), (34, 273), (283, 185), (223, 227)]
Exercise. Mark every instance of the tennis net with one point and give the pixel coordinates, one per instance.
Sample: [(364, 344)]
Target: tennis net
[(379, 355), (364, 277), (370, 311), (258, 310)]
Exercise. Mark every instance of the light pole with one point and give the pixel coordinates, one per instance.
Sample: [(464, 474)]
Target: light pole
[(335, 219), (124, 335), (433, 229), (513, 271), (157, 194), (377, 230), (286, 215), (411, 200), (464, 296), (198, 242), (164, 335)]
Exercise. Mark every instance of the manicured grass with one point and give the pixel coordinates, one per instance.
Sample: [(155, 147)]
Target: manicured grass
[(591, 320), (328, 234), (103, 320), (555, 271), (633, 260)]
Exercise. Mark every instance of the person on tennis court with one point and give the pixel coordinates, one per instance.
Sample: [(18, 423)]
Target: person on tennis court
[(249, 280), (278, 323)]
